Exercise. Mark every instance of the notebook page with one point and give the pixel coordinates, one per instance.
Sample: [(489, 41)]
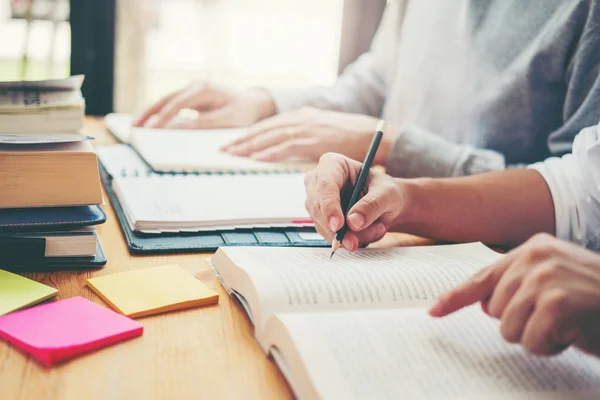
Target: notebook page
[(391, 354), (178, 150), (121, 160), (171, 202), (300, 280), (119, 125)]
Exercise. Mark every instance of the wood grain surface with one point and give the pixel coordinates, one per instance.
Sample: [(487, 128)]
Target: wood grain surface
[(202, 353)]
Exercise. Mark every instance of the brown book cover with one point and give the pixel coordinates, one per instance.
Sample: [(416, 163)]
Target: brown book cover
[(49, 175)]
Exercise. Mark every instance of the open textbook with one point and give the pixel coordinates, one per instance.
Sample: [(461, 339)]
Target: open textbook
[(356, 327), (190, 150)]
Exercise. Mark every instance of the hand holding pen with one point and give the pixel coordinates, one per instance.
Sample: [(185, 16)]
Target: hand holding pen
[(366, 218)]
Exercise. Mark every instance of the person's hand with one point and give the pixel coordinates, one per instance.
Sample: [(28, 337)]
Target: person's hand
[(546, 294), (217, 108), (369, 218), (308, 133)]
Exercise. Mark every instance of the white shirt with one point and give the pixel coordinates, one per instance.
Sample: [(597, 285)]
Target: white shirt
[(473, 85), (574, 181)]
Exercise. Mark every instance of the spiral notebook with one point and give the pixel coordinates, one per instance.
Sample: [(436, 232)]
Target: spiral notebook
[(172, 212), (190, 150)]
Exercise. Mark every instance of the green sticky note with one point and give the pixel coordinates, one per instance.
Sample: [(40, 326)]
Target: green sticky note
[(17, 292)]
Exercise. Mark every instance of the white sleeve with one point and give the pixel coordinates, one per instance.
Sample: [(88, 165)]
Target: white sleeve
[(361, 88), (574, 182)]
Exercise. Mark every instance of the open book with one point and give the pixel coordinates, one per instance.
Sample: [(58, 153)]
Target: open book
[(190, 150), (356, 327)]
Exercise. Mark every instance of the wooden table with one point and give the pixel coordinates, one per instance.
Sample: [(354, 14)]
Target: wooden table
[(202, 353)]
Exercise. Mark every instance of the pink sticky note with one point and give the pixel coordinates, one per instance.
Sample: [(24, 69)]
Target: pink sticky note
[(64, 329)]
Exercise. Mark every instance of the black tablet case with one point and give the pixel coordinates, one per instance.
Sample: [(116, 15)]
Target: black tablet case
[(197, 242)]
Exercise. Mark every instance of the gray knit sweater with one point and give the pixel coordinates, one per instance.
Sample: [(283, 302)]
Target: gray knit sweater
[(473, 85)]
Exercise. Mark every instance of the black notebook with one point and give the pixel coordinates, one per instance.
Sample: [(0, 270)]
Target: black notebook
[(153, 220)]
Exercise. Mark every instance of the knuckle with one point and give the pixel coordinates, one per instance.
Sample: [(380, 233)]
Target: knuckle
[(555, 302), (387, 184), (248, 147), (328, 204), (541, 244), (536, 252), (329, 157), (541, 238), (511, 283), (546, 273), (371, 202), (322, 185), (293, 145)]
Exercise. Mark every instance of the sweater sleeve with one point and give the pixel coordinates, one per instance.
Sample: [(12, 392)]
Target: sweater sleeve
[(419, 153), (582, 75), (361, 87), (574, 182)]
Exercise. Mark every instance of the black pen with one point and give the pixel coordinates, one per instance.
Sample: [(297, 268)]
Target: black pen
[(360, 184)]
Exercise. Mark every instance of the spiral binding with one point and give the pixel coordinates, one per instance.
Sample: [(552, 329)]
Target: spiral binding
[(132, 157), (125, 173)]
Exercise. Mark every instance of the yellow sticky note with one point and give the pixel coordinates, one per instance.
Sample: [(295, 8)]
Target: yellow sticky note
[(17, 292), (144, 292)]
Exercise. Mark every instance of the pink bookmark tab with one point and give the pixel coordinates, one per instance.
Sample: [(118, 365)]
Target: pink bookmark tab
[(64, 329), (302, 221)]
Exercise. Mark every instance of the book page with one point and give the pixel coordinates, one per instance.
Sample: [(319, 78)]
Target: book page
[(390, 354), (24, 101), (198, 150), (73, 82), (188, 202), (121, 160), (305, 279)]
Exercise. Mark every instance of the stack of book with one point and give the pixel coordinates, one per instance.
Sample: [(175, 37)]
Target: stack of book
[(50, 188), (42, 106)]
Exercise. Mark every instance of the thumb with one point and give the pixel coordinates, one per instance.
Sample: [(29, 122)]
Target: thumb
[(379, 200)]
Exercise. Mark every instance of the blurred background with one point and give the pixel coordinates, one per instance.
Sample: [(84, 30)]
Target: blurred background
[(134, 51)]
